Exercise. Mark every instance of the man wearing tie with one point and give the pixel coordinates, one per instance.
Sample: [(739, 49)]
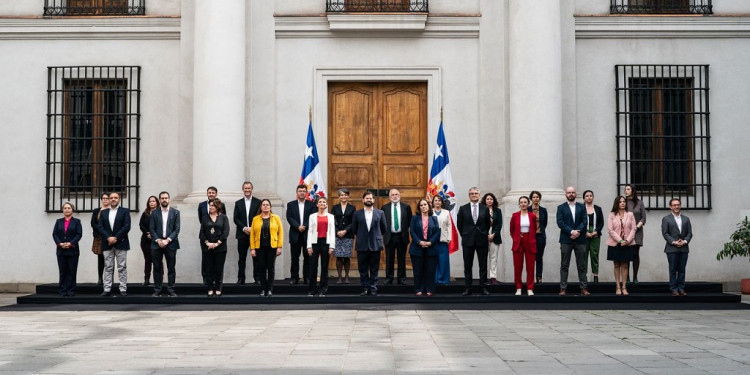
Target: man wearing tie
[(572, 220), (396, 238), (677, 231), (211, 193), (245, 209), (164, 227), (298, 214), (114, 226), (473, 222), (368, 225)]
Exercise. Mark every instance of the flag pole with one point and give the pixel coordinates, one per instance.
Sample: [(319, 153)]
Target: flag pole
[(441, 113), (309, 114)]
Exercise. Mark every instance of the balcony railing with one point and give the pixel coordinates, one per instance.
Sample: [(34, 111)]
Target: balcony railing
[(660, 7), (377, 6), (94, 7)]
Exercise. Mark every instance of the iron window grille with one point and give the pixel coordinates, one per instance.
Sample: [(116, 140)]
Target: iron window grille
[(94, 7), (93, 135), (377, 6), (661, 7), (663, 133)]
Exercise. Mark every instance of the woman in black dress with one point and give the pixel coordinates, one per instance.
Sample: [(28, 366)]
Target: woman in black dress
[(151, 204), (213, 237), (343, 214)]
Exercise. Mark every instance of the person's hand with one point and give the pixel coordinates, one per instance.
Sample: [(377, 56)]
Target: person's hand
[(278, 251), (148, 235), (309, 251), (341, 233), (246, 230), (301, 228), (252, 253), (111, 240), (330, 251)]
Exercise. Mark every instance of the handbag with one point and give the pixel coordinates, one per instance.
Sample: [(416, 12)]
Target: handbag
[(96, 246)]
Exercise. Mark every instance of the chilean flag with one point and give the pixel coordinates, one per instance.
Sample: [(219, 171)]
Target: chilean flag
[(441, 183), (311, 176)]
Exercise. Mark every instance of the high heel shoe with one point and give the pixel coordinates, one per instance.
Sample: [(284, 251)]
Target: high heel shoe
[(596, 279), (618, 292), (625, 292), (218, 293), (210, 293)]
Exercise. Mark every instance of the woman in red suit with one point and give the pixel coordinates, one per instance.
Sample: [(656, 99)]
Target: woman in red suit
[(523, 233)]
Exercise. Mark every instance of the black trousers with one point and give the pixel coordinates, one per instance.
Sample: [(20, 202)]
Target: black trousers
[(481, 253), (424, 267), (296, 249), (243, 245), (541, 243), (100, 265), (67, 264), (395, 252), (171, 257), (320, 252), (369, 262), (267, 261), (214, 266)]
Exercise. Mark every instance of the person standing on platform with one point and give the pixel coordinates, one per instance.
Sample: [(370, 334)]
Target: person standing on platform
[(96, 246), (443, 271), (203, 209), (593, 233), (621, 230), (425, 234), (636, 206), (572, 220), (523, 233), (473, 222), (67, 233), (165, 229), (678, 232), (151, 205), (397, 217), (368, 227), (321, 240), (343, 214), (266, 241), (298, 213), (495, 239), (541, 232), (114, 227), (213, 238), (244, 210)]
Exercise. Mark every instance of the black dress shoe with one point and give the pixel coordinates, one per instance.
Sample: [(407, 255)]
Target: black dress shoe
[(365, 292), (172, 293), (100, 282), (402, 282), (466, 292), (106, 294), (294, 282), (388, 281), (485, 292), (124, 294), (596, 279), (146, 282), (306, 281), (240, 281), (373, 293), (156, 294)]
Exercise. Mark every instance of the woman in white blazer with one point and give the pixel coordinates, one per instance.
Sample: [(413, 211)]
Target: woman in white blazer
[(321, 240)]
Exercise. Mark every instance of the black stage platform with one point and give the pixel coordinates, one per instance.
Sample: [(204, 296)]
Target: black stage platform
[(645, 295)]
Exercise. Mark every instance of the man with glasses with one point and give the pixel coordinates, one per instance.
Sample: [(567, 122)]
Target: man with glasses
[(473, 222)]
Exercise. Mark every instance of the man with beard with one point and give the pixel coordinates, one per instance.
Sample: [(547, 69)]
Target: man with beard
[(572, 221), (368, 225), (114, 226), (164, 228)]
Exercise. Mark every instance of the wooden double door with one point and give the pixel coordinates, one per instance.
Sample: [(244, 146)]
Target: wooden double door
[(377, 140)]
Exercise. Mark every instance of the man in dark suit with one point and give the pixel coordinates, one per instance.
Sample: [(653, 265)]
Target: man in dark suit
[(211, 193), (244, 211), (396, 238), (473, 222), (368, 225), (678, 232), (298, 214), (572, 220), (164, 227), (114, 226)]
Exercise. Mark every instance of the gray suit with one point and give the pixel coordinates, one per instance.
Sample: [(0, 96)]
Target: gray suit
[(677, 256)]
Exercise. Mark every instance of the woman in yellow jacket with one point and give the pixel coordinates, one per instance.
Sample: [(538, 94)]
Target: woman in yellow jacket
[(266, 240)]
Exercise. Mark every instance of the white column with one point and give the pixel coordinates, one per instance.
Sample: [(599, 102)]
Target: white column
[(219, 98), (535, 77)]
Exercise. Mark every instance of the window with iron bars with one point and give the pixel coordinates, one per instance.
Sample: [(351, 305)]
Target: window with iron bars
[(94, 7), (93, 135), (661, 7), (377, 6), (663, 133)]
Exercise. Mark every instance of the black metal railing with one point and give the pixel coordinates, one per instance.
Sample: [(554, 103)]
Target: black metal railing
[(377, 6), (93, 135), (663, 133), (94, 7), (660, 7)]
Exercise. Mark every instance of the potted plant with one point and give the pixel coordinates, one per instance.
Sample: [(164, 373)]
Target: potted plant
[(738, 246)]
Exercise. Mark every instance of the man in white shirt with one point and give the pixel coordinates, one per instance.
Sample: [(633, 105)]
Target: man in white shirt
[(114, 226), (368, 225), (298, 214), (677, 231), (244, 210), (165, 229)]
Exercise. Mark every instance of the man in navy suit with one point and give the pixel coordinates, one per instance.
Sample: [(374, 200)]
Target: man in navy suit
[(473, 222), (368, 225), (164, 227), (572, 220), (298, 214), (211, 193), (245, 210), (397, 236), (677, 231), (114, 226)]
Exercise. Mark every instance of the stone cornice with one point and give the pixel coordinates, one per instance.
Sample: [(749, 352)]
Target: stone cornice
[(122, 28), (655, 27), (384, 26)]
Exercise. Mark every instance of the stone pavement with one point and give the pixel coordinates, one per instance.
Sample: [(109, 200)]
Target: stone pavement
[(127, 340)]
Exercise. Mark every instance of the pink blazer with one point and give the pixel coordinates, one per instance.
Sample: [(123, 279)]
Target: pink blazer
[(626, 227)]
